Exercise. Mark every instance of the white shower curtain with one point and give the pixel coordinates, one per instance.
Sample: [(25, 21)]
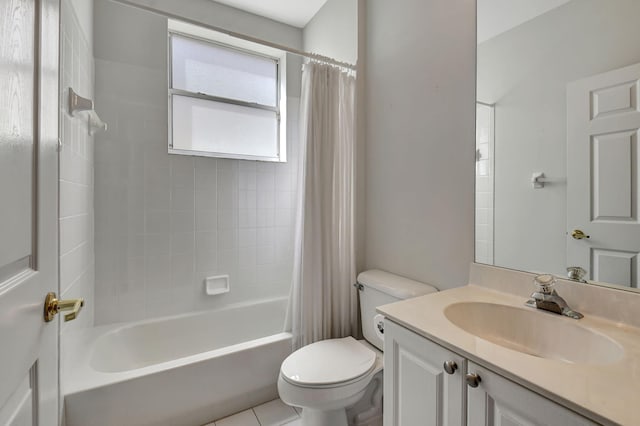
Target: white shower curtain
[(323, 300)]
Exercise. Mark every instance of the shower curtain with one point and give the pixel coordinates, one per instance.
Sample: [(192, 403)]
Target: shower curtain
[(323, 301)]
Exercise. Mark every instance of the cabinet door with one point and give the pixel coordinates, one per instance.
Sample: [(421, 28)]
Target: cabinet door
[(417, 390), (500, 402)]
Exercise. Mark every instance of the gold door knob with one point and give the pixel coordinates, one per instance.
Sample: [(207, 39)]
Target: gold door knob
[(579, 235), (52, 306)]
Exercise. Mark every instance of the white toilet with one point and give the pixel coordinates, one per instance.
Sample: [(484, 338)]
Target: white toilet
[(326, 378)]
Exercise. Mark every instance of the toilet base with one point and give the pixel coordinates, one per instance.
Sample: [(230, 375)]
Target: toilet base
[(312, 417), (368, 410)]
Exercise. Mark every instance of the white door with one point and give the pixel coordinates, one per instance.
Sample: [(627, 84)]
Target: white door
[(418, 389), (603, 120), (28, 210), (497, 401)]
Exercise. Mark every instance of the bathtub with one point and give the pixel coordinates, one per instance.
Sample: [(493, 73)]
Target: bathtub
[(183, 370)]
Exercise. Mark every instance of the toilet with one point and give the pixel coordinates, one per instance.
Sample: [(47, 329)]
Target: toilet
[(338, 382)]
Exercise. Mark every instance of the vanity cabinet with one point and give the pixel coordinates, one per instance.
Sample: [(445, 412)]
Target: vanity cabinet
[(426, 384), (498, 401), (417, 389)]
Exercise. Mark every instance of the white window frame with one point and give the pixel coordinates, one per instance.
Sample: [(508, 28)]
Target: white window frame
[(195, 32)]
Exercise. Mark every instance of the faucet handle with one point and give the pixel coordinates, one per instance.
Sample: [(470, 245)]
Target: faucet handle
[(544, 283), (576, 273)]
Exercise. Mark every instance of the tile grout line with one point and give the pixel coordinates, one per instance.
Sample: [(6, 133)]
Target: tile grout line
[(298, 417), (256, 416)]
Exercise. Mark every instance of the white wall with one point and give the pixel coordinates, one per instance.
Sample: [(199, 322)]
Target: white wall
[(525, 72), (361, 131), (333, 31), (76, 164), (165, 222), (420, 109), (228, 18), (83, 10)]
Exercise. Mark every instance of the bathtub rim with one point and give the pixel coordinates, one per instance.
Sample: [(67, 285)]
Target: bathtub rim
[(80, 375), (123, 327), (210, 389)]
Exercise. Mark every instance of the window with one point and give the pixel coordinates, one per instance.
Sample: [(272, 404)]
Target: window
[(226, 96)]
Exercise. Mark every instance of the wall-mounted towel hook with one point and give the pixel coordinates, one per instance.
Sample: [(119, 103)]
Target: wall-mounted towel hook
[(538, 179), (79, 104), (96, 124)]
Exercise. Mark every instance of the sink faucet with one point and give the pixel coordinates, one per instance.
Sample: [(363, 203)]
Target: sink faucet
[(547, 299)]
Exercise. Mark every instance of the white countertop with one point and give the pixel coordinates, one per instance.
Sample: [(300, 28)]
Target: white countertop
[(607, 393)]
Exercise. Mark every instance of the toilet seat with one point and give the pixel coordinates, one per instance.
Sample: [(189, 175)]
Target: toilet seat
[(328, 363)]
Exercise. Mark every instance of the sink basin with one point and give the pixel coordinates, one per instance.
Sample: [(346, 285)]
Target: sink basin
[(534, 333)]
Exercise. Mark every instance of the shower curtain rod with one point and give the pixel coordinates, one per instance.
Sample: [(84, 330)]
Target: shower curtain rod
[(309, 55)]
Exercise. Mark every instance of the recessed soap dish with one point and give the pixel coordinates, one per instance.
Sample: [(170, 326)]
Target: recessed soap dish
[(216, 285)]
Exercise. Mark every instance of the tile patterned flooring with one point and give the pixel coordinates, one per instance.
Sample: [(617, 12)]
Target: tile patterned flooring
[(272, 413)]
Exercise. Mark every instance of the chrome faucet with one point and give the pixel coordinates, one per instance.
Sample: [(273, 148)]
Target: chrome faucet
[(547, 299)]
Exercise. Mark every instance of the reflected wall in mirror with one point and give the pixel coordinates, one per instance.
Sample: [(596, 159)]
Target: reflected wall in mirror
[(558, 117)]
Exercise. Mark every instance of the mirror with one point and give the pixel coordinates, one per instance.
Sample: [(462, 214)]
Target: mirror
[(558, 117)]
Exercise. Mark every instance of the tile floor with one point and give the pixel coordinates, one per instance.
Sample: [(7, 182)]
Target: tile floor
[(272, 413)]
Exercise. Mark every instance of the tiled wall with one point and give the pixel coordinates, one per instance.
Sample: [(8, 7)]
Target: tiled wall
[(484, 184), (76, 170), (165, 222)]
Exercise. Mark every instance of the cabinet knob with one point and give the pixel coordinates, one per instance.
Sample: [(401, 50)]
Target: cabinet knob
[(450, 367), (472, 379)]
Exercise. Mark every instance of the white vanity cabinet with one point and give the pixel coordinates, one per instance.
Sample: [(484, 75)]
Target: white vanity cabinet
[(498, 401), (419, 389)]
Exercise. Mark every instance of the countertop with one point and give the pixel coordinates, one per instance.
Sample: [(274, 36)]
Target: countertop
[(606, 393)]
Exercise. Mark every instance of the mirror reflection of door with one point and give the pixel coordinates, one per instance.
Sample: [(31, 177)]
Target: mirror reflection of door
[(603, 121), (529, 52)]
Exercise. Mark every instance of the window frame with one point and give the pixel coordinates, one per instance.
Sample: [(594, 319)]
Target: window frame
[(208, 36)]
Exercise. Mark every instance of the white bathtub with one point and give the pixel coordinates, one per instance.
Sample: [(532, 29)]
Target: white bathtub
[(184, 370)]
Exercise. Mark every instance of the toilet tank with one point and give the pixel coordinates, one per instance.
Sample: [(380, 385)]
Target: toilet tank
[(380, 288)]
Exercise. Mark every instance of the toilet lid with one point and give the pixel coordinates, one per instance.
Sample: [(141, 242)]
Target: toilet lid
[(328, 362)]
